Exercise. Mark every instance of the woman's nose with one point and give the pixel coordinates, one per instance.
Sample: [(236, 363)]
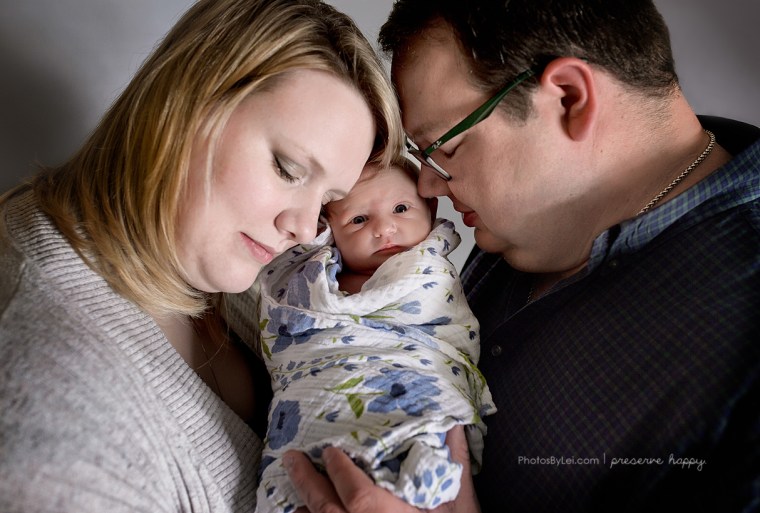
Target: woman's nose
[(300, 223)]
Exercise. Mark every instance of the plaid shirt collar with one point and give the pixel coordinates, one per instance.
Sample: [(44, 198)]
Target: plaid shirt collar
[(736, 183)]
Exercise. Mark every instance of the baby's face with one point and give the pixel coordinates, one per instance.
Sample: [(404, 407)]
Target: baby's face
[(381, 216)]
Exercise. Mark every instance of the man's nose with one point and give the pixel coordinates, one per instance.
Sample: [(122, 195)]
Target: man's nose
[(430, 185)]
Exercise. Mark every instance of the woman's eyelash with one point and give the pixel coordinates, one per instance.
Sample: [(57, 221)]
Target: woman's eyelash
[(282, 172)]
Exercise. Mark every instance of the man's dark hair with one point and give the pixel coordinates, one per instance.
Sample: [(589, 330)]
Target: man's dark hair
[(628, 38)]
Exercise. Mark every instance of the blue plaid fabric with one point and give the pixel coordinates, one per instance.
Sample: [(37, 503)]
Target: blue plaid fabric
[(634, 385)]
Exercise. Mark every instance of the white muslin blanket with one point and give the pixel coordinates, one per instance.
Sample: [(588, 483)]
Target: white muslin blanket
[(382, 374)]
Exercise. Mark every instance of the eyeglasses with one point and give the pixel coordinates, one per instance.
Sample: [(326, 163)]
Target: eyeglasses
[(470, 121)]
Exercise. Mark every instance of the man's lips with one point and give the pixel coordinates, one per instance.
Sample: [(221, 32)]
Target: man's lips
[(260, 252), (469, 218)]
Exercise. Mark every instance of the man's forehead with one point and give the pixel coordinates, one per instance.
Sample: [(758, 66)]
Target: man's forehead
[(430, 77), (437, 32)]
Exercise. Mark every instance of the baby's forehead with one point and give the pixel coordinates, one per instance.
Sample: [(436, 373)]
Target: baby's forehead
[(365, 187)]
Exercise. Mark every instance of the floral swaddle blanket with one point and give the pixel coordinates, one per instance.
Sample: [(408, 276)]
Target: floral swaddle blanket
[(382, 374)]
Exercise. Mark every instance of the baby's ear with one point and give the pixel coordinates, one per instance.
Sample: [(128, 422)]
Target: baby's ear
[(433, 205), (323, 221)]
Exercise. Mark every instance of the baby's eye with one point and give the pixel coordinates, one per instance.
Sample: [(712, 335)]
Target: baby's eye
[(359, 219), (400, 209)]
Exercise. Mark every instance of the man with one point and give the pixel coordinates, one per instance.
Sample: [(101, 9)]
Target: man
[(617, 295), (617, 280)]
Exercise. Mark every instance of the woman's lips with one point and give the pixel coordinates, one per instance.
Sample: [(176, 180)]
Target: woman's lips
[(260, 252)]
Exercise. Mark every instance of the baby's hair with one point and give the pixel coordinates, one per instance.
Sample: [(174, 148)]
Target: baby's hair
[(408, 166)]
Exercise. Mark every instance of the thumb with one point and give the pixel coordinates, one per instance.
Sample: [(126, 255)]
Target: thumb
[(460, 453)]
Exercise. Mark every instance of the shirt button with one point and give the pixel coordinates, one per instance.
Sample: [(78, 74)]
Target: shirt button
[(496, 350)]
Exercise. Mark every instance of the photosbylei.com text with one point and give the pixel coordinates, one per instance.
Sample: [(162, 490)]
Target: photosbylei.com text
[(558, 461)]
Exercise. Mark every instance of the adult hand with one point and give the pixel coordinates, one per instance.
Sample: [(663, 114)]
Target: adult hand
[(347, 489)]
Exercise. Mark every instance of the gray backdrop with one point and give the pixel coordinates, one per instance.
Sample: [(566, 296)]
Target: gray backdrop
[(63, 61)]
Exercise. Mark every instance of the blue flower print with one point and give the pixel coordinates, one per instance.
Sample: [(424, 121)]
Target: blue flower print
[(290, 326), (393, 465), (285, 339), (429, 327), (265, 462), (405, 390), (381, 325), (412, 307), (283, 427), (294, 320), (316, 452), (299, 293), (334, 266)]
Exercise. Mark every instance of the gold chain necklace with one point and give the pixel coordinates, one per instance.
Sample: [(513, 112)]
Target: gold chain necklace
[(683, 175), (663, 193)]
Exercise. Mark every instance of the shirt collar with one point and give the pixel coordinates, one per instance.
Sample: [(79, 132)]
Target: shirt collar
[(736, 183)]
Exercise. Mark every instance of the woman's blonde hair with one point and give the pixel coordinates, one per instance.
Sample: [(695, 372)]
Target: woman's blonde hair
[(117, 199)]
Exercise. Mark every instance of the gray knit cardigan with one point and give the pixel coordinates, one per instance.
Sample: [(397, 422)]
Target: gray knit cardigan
[(98, 413)]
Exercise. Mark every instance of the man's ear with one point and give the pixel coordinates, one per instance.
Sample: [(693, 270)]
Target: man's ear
[(571, 81)]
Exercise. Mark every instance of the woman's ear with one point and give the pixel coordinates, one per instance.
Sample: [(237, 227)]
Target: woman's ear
[(571, 82)]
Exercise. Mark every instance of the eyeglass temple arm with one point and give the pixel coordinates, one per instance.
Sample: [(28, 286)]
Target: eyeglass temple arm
[(480, 113)]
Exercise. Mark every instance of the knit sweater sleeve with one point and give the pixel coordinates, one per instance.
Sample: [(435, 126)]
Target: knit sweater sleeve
[(99, 412), (76, 435)]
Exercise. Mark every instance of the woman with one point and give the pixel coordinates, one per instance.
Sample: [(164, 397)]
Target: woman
[(119, 388)]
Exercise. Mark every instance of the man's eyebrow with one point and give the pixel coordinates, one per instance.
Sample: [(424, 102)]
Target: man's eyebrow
[(424, 131)]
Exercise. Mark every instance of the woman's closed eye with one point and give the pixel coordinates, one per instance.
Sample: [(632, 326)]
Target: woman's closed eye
[(282, 171)]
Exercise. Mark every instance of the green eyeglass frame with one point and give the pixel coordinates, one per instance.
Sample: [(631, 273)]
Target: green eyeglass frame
[(470, 121)]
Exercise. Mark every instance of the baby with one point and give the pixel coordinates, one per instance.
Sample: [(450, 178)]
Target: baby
[(371, 346)]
